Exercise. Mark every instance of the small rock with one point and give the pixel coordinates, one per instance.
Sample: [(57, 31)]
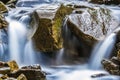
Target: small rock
[(3, 22), (115, 60), (13, 65), (5, 70), (37, 66), (3, 8), (3, 64), (4, 77), (22, 77), (99, 75), (111, 67), (118, 55), (29, 73)]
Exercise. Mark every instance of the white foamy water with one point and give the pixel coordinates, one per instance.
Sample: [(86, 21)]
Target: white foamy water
[(29, 54), (20, 49), (17, 34)]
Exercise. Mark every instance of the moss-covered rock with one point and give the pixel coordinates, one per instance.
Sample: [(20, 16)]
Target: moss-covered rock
[(3, 8), (13, 65), (47, 36)]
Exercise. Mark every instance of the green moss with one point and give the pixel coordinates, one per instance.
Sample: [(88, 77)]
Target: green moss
[(47, 37), (58, 21)]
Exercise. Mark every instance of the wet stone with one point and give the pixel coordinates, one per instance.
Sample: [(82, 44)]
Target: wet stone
[(99, 75)]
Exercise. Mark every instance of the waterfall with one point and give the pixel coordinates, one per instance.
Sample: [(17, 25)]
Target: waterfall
[(102, 50), (17, 34), (29, 54), (20, 48), (60, 56), (3, 44)]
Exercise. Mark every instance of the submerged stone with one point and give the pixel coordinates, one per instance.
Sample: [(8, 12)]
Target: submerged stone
[(13, 65), (22, 77), (48, 21), (37, 66), (5, 70)]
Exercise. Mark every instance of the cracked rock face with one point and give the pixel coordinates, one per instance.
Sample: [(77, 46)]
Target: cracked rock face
[(92, 24)]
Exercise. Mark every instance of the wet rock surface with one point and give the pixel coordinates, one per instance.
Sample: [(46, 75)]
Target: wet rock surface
[(112, 65), (47, 37), (85, 27), (92, 24), (10, 70)]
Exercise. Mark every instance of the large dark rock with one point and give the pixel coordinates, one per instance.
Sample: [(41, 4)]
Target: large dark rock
[(3, 8), (86, 26), (47, 22), (92, 24), (111, 66), (108, 2), (30, 74)]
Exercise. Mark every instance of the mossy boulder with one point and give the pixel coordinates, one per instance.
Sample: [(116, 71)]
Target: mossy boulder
[(47, 22), (13, 65), (3, 7), (108, 2)]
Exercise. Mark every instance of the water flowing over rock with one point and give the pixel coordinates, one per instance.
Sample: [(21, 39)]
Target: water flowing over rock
[(108, 2), (92, 24), (48, 21)]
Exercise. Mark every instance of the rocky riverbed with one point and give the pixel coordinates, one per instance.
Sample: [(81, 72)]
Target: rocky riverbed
[(68, 28)]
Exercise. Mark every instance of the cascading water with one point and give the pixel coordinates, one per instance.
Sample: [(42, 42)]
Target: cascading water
[(3, 44), (20, 48), (102, 50), (29, 54), (17, 33)]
